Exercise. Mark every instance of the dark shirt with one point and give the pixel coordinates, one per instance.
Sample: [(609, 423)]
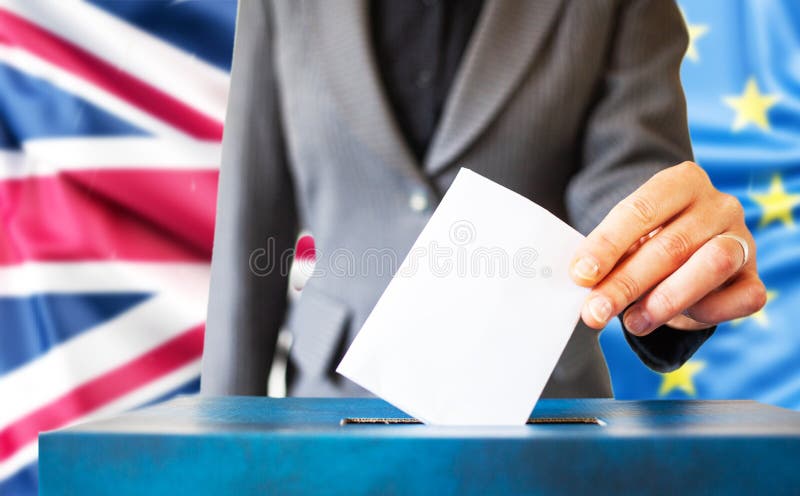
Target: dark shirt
[(418, 45)]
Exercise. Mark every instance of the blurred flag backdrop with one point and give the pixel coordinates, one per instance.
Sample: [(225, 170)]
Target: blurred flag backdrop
[(111, 115), (110, 119), (741, 75)]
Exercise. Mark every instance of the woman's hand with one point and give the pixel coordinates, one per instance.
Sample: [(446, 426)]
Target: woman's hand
[(675, 248)]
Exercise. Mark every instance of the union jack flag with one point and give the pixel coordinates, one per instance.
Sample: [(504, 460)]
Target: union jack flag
[(111, 117)]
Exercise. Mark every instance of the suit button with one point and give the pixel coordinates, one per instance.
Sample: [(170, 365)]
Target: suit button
[(418, 201)]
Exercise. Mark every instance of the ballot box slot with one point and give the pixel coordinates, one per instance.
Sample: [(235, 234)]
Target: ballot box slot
[(565, 420), (384, 421), (405, 420)]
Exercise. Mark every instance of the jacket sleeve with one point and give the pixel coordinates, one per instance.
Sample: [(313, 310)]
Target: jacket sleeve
[(636, 128), (256, 221)]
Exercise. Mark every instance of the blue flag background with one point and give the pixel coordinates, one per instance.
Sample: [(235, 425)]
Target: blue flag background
[(741, 76)]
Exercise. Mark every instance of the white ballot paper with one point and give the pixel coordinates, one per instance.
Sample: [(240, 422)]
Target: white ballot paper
[(476, 317)]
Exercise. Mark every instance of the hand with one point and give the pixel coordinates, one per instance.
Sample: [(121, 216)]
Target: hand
[(659, 248)]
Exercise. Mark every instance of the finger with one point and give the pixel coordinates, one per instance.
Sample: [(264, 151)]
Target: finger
[(684, 323), (657, 258), (707, 269), (638, 243), (654, 203), (745, 296)]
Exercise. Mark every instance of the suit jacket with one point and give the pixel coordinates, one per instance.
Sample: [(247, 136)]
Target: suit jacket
[(573, 104)]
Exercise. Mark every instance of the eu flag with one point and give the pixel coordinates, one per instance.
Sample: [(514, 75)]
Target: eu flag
[(741, 75)]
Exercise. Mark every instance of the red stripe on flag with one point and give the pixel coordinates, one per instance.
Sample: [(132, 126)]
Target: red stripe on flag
[(17, 31), (102, 390), (159, 215), (305, 249)]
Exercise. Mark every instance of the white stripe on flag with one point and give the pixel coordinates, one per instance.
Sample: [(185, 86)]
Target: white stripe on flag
[(140, 396), (100, 350), (84, 277), (180, 74), (18, 460), (42, 157), (36, 67)]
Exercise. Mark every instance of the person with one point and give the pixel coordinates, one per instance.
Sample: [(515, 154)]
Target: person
[(351, 119)]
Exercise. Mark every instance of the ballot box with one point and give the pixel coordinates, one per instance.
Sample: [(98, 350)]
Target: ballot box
[(236, 446)]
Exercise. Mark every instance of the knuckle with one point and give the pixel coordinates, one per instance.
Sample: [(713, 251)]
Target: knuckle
[(643, 209), (674, 246), (758, 297), (721, 261), (625, 287), (732, 206), (665, 302), (607, 244), (694, 171)]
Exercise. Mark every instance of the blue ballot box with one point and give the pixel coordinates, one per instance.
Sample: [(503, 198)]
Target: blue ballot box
[(205, 445)]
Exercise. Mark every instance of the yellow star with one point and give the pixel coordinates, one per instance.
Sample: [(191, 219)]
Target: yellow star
[(696, 31), (776, 203), (751, 107), (682, 379), (761, 316)]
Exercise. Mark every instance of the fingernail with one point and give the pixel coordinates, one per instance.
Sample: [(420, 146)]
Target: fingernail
[(600, 308), (636, 321), (586, 268)]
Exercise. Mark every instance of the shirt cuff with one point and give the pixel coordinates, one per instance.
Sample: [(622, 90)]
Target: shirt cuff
[(666, 348)]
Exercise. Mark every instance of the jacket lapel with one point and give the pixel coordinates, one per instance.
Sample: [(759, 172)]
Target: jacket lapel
[(351, 70), (508, 35)]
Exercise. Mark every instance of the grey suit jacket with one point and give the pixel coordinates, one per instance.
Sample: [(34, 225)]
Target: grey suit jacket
[(572, 104)]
